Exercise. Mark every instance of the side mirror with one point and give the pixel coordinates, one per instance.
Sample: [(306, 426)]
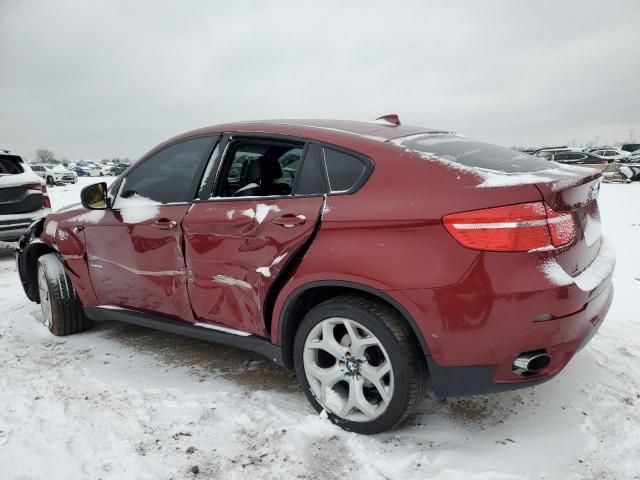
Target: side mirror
[(94, 197)]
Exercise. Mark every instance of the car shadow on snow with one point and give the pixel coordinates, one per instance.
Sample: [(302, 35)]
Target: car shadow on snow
[(253, 372), (204, 359)]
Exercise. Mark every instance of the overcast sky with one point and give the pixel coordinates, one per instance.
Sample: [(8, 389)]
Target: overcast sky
[(114, 78)]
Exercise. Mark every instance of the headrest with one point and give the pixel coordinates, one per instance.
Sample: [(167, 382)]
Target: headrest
[(253, 172)]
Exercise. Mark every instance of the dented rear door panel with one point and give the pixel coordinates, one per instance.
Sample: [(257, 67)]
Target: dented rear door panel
[(235, 249)]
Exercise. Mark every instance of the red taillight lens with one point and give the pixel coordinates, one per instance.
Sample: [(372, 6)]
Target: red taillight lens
[(513, 228), (46, 201), (561, 227), (40, 187), (35, 186)]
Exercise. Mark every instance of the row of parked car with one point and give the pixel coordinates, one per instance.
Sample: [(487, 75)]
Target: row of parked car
[(627, 153), (617, 164), (69, 172)]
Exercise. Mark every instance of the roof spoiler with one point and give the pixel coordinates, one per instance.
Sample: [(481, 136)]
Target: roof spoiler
[(390, 118)]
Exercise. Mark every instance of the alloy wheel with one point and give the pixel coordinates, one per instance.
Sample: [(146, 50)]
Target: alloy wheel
[(45, 302), (348, 369)]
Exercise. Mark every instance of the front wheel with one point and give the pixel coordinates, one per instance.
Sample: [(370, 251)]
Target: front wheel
[(61, 309), (50, 181), (356, 359)]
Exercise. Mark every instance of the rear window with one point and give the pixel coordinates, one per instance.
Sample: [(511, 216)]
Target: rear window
[(10, 165), (472, 153)]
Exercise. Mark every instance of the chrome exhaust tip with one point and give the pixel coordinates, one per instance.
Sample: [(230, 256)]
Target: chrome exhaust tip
[(530, 363)]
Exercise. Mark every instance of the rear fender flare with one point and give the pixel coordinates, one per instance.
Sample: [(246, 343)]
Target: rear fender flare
[(287, 323)]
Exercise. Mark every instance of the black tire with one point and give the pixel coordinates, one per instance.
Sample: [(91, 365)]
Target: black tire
[(66, 315), (50, 181), (390, 329)]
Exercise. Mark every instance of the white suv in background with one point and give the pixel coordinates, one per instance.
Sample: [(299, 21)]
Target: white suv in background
[(55, 174), (23, 197)]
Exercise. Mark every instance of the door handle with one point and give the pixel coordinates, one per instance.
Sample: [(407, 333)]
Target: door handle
[(165, 224), (290, 220)]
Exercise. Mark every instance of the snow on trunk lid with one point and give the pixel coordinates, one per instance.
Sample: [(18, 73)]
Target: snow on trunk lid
[(575, 190)]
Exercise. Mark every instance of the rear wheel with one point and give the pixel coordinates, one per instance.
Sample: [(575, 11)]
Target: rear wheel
[(50, 181), (356, 359), (61, 310)]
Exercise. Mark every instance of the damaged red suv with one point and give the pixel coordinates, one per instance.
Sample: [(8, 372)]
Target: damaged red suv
[(373, 258)]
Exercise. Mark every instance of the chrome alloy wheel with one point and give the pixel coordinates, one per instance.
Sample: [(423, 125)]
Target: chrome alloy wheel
[(45, 303), (348, 370)]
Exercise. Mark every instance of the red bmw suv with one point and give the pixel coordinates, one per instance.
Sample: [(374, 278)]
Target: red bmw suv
[(373, 258)]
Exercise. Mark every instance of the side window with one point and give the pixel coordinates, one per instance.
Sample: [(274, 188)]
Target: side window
[(561, 156), (343, 170), (168, 175), (261, 168)]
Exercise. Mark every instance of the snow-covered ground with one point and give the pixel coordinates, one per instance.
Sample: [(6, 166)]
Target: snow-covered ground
[(121, 402)]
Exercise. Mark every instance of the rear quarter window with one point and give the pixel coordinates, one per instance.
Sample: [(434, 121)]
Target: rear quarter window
[(473, 153), (10, 165), (344, 171)]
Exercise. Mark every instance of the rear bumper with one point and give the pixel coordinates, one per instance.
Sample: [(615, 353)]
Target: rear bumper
[(13, 226), (452, 381), (476, 328)]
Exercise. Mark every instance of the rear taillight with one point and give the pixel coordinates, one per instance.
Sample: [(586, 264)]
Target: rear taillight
[(561, 227), (40, 187), (35, 186), (512, 228), (46, 201)]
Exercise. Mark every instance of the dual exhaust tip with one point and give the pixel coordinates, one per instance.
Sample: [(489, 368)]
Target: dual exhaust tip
[(530, 363)]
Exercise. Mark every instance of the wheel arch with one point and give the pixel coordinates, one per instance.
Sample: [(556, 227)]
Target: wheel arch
[(29, 267), (307, 296)]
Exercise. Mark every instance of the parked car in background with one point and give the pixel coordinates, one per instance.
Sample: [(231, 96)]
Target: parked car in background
[(634, 156), (23, 196), (557, 148), (81, 171), (611, 154), (549, 152), (630, 147), (118, 168), (105, 169), (323, 253), (55, 174), (631, 171), (578, 158), (92, 169)]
